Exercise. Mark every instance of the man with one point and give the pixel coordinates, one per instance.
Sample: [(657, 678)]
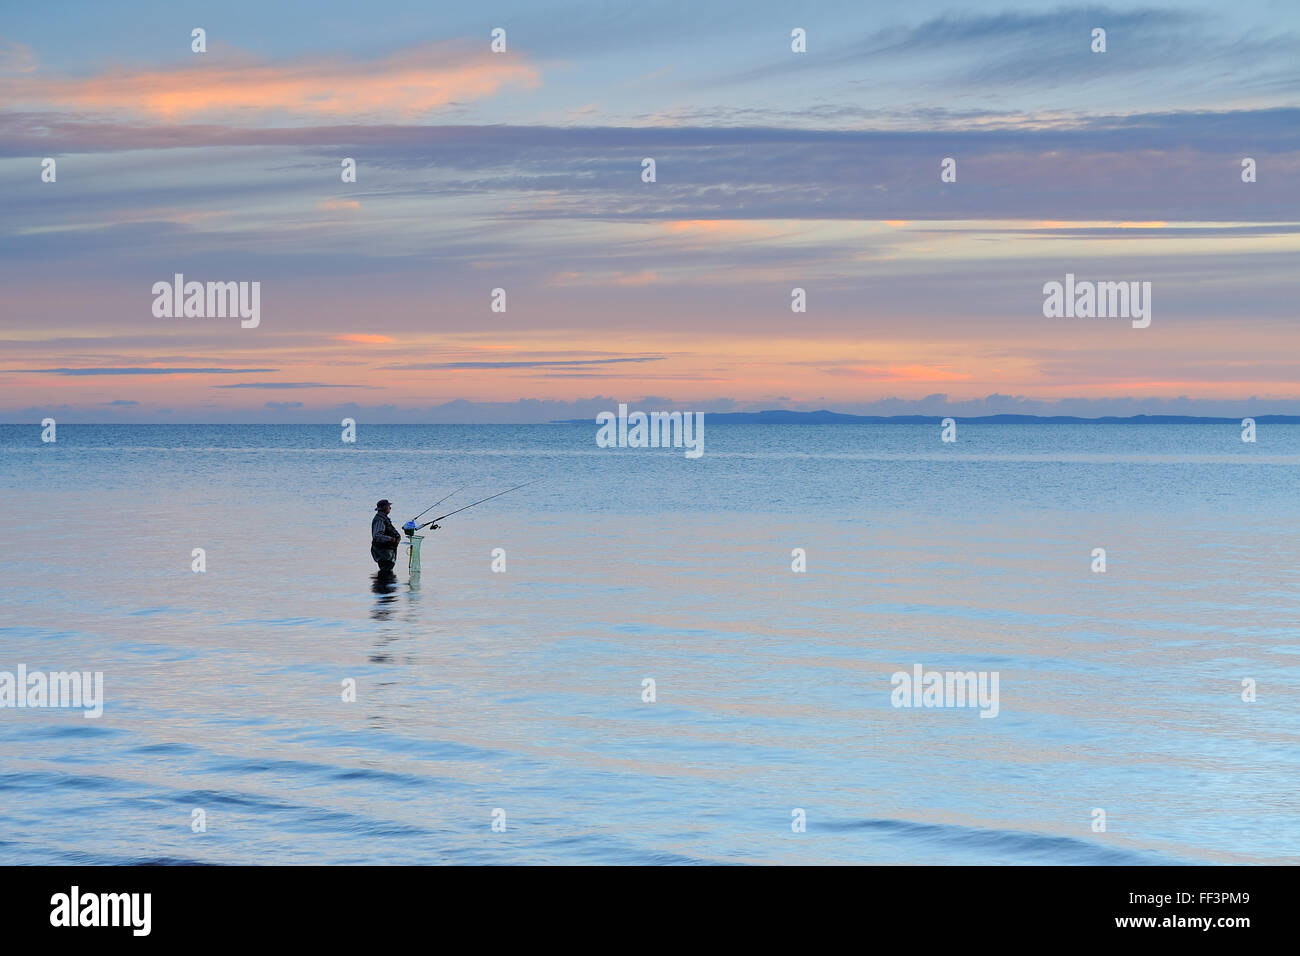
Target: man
[(384, 538)]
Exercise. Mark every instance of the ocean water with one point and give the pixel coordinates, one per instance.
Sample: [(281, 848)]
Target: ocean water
[(521, 692)]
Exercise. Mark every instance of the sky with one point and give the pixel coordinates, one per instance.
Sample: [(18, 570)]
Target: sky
[(522, 171)]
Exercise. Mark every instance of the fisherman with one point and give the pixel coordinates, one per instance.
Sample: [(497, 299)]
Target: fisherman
[(384, 538)]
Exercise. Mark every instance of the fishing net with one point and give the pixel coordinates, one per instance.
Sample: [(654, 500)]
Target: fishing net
[(415, 540)]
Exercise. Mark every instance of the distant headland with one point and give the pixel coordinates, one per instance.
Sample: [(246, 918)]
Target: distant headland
[(778, 416)]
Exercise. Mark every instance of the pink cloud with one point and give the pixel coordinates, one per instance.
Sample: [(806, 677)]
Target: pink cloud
[(405, 84)]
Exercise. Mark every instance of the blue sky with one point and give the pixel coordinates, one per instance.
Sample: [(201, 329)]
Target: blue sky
[(522, 171)]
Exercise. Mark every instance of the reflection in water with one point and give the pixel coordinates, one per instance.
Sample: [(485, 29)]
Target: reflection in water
[(387, 588), (383, 583)]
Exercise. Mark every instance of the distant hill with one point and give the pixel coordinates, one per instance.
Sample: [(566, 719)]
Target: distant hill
[(780, 416)]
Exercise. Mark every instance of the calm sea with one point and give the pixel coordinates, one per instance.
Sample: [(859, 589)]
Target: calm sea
[(484, 695)]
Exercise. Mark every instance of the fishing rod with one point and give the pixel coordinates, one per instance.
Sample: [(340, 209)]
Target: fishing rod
[(435, 504), (488, 498)]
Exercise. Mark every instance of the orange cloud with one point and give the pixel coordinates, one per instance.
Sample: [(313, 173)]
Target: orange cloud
[(902, 373), (722, 228), (363, 338), (333, 204), (405, 84)]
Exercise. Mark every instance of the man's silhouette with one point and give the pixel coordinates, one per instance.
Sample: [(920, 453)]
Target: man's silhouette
[(384, 538)]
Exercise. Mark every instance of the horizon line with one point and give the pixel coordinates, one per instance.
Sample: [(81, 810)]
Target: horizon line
[(1000, 418)]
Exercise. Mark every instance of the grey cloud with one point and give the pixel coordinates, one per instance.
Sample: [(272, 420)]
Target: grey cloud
[(1182, 166)]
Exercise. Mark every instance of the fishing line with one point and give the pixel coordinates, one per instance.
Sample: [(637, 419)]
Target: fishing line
[(488, 498)]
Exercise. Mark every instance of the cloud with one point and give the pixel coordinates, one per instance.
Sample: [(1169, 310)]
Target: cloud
[(641, 277), (405, 85), (287, 385), (363, 338), (15, 58), (1016, 48), (644, 277), (145, 371), (1156, 166), (281, 406), (121, 401), (728, 230), (900, 373), (998, 32), (431, 366)]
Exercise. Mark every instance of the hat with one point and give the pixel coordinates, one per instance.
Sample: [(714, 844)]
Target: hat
[(382, 503)]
